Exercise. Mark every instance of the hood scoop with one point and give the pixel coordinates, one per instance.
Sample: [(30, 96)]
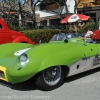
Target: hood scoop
[(18, 53)]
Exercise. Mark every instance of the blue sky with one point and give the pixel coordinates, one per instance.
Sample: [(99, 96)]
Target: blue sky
[(35, 1)]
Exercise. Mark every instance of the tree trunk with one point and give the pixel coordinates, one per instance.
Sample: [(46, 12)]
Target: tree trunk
[(20, 20), (33, 12), (65, 4), (76, 4)]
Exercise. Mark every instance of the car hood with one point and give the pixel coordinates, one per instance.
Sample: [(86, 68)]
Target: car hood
[(19, 48), (52, 48), (9, 48)]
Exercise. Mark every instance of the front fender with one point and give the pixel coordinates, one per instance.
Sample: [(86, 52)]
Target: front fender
[(61, 58)]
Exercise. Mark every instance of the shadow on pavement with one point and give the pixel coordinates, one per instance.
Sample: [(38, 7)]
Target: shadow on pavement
[(29, 85), (24, 86), (78, 76)]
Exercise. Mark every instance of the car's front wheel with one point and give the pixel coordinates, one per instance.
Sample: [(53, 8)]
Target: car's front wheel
[(50, 78)]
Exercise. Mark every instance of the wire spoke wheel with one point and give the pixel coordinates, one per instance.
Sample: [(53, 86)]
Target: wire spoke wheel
[(52, 75), (50, 78)]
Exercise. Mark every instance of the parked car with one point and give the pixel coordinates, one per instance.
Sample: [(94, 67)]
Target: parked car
[(47, 64), (7, 35)]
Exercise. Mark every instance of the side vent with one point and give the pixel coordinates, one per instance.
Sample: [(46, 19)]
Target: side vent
[(77, 67)]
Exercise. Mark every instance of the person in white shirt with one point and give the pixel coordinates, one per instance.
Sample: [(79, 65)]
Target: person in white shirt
[(88, 33)]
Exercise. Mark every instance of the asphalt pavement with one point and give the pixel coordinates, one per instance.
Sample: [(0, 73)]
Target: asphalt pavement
[(84, 86)]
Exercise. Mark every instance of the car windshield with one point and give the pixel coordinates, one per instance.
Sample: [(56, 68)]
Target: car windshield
[(62, 36)]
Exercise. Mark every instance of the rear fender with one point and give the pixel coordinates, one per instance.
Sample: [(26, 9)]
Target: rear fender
[(23, 39), (4, 25)]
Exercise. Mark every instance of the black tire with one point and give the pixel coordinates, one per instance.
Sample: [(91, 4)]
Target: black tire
[(54, 75), (23, 42)]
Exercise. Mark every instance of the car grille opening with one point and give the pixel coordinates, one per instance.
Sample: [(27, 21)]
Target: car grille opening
[(2, 74)]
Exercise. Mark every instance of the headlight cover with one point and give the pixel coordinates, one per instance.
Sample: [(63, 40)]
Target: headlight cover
[(23, 59)]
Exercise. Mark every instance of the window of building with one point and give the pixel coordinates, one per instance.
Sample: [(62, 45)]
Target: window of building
[(42, 7), (43, 22), (48, 3), (55, 21), (92, 15)]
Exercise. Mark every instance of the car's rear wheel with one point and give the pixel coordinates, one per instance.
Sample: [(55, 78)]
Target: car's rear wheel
[(23, 42), (50, 78)]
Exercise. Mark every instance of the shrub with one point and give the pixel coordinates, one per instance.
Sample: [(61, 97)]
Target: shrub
[(40, 34), (46, 34), (13, 27), (91, 25)]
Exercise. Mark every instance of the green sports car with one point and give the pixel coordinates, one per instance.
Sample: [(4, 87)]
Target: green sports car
[(47, 63)]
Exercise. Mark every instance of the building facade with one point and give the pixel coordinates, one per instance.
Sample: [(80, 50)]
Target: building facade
[(90, 8), (50, 14)]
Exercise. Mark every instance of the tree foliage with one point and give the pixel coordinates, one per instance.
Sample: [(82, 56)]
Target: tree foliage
[(26, 11), (8, 6)]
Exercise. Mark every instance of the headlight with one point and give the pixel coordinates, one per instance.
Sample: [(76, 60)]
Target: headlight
[(23, 59)]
